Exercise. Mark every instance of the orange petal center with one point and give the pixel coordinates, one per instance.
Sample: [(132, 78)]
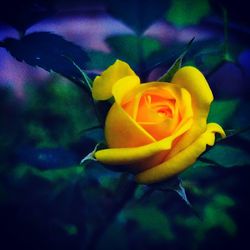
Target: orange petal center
[(157, 110)]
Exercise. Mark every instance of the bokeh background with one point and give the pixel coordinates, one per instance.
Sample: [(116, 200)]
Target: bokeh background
[(48, 124)]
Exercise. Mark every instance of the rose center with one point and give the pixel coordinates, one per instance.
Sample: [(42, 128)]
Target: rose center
[(165, 112), (155, 110), (162, 107)]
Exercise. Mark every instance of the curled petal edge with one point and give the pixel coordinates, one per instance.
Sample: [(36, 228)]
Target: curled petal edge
[(183, 159), (196, 84), (123, 156), (103, 84)]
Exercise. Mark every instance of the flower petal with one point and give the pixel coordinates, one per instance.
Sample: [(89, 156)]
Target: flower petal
[(103, 84), (121, 131), (131, 155), (122, 156), (160, 93), (195, 83), (119, 125), (183, 159), (123, 86)]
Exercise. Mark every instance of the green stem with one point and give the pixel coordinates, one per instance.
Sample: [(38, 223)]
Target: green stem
[(126, 193)]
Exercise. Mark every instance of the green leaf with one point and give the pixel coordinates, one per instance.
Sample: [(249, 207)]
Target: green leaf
[(137, 14), (50, 52), (150, 218), (211, 55), (226, 156), (232, 133), (221, 110), (69, 111), (241, 119), (215, 215), (23, 172), (167, 77), (223, 219), (187, 12), (133, 49), (70, 229), (99, 60), (85, 79)]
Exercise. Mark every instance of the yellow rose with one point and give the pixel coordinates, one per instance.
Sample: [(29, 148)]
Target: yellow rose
[(157, 129)]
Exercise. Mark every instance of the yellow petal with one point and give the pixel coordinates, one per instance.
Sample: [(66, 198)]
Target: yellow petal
[(123, 86), (122, 156), (183, 159), (103, 84), (130, 155), (195, 83), (121, 131), (146, 117)]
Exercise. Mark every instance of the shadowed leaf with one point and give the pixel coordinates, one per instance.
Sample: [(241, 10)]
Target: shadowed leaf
[(50, 52), (137, 14), (221, 110), (176, 65), (99, 60), (135, 50), (150, 218), (187, 12), (226, 156)]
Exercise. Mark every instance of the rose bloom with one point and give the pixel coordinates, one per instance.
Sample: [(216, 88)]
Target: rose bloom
[(155, 130)]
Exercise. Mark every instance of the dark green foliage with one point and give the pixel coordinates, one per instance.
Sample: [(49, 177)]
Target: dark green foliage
[(187, 12), (48, 158), (174, 184), (137, 51), (222, 110), (167, 77), (99, 60), (227, 156), (49, 136), (137, 14), (50, 52), (232, 151)]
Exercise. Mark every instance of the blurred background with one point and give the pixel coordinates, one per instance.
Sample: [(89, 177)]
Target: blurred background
[(48, 124)]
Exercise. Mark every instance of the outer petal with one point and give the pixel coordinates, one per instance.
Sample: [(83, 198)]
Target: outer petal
[(123, 86), (124, 156), (103, 84), (182, 160), (195, 83), (131, 155)]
